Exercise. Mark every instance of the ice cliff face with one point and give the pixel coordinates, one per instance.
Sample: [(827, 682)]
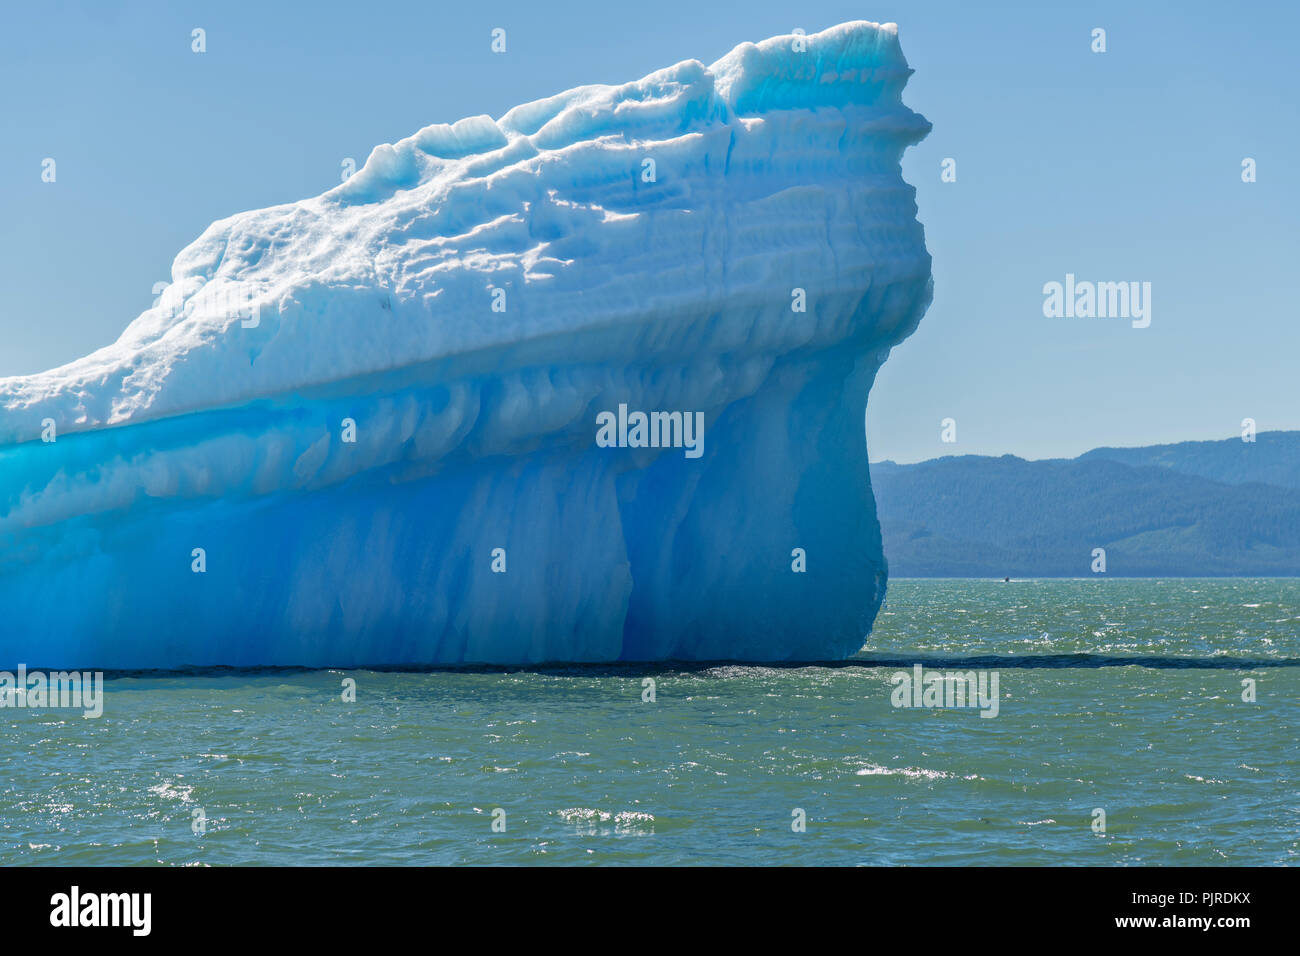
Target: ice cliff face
[(362, 428)]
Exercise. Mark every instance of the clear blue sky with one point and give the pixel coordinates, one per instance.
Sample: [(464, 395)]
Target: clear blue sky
[(1117, 166)]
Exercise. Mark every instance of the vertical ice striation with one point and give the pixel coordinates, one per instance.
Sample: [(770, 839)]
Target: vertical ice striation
[(466, 306)]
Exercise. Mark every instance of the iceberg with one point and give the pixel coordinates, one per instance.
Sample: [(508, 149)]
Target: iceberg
[(362, 429)]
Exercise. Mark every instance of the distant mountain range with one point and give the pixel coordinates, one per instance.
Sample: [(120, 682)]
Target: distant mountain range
[(1193, 509)]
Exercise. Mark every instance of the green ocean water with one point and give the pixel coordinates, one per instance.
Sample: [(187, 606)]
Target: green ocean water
[(713, 770)]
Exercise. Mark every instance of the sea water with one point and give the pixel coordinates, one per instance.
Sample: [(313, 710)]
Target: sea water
[(1169, 705)]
